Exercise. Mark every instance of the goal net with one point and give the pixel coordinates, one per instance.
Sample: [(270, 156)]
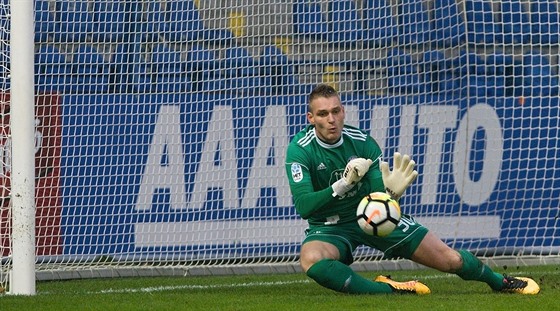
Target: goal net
[(5, 227), (161, 126)]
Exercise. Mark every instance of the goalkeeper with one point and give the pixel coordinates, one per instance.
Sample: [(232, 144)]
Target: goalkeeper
[(331, 167)]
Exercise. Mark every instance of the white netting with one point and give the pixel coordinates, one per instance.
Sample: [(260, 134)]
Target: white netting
[(171, 119), (5, 263)]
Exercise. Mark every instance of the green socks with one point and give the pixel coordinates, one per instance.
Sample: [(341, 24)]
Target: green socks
[(341, 278), (474, 269)]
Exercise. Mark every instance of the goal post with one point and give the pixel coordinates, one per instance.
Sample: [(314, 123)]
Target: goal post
[(21, 138), (159, 128)]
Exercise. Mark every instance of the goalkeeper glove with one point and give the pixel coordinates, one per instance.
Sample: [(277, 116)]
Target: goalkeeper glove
[(403, 175), (353, 173)]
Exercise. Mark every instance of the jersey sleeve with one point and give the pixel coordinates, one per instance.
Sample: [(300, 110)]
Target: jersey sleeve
[(306, 200)]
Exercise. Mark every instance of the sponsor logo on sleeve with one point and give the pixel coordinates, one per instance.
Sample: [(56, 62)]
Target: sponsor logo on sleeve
[(297, 173)]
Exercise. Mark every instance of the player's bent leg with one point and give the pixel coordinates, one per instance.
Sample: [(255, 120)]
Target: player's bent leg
[(432, 252), (315, 251), (474, 269), (337, 276), (320, 262)]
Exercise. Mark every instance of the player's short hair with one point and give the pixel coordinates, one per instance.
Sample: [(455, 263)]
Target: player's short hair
[(321, 91)]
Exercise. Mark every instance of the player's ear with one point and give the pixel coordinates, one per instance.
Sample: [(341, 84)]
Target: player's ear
[(310, 117)]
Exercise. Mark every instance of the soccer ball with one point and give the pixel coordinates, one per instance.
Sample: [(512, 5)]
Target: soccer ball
[(378, 214)]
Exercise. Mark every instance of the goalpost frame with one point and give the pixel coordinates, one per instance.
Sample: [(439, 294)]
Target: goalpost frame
[(22, 196)]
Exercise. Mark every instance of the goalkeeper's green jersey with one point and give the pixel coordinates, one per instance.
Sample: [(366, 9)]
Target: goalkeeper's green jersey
[(313, 166)]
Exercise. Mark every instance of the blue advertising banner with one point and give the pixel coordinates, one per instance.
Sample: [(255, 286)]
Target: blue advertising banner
[(195, 175)]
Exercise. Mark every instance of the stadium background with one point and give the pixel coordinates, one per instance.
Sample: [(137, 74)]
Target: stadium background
[(167, 122)]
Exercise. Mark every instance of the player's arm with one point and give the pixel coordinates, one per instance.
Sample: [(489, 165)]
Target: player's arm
[(306, 200)]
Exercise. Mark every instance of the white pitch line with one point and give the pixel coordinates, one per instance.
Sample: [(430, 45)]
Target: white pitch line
[(256, 284), (217, 286), (171, 288)]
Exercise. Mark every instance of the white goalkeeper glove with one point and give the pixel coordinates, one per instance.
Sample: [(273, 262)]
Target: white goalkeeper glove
[(403, 175), (353, 173)]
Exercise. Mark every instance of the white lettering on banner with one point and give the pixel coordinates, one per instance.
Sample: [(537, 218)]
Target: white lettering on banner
[(5, 155), (480, 116), (38, 136), (437, 120), (380, 124), (218, 168), (169, 173), (269, 174), (217, 172), (406, 129), (6, 148)]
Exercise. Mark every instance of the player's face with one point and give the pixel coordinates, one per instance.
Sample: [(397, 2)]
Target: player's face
[(327, 114)]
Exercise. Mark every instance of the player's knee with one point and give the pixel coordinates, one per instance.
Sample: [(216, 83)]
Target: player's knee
[(447, 261), (308, 259), (314, 252), (454, 262)]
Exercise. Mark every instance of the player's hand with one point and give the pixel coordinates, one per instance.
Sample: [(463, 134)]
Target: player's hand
[(403, 175), (356, 169), (353, 173)]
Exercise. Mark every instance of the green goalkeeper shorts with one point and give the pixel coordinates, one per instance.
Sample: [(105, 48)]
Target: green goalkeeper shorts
[(402, 242)]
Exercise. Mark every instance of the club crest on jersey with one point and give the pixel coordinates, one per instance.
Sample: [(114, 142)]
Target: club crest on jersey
[(297, 172)]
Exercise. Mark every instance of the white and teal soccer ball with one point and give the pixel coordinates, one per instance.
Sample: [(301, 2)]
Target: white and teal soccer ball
[(378, 214)]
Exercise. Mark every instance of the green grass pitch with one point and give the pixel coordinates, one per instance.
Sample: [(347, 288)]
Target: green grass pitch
[(282, 292)]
